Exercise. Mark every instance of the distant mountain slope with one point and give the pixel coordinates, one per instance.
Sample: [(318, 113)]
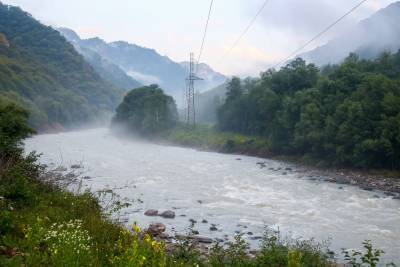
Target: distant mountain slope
[(211, 78), (146, 65), (105, 68), (41, 70), (207, 103), (371, 37)]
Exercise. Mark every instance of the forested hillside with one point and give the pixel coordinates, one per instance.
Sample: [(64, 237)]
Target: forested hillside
[(42, 71), (347, 114)]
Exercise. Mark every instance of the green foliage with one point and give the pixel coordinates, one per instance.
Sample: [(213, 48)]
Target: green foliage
[(13, 128), (346, 114), (370, 257), (209, 138), (44, 73), (147, 110)]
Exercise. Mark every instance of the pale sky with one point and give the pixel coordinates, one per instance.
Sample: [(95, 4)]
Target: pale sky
[(175, 27)]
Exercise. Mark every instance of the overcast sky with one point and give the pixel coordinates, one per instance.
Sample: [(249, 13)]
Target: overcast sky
[(175, 27)]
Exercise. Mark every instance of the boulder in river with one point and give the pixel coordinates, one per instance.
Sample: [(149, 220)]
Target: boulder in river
[(76, 166), (367, 188), (204, 221), (151, 212), (156, 229), (213, 228), (169, 214), (262, 164), (391, 194)]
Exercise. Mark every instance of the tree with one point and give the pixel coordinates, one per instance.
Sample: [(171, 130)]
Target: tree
[(347, 114), (147, 110), (13, 129)]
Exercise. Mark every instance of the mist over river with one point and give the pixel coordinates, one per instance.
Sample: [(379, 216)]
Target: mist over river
[(236, 195)]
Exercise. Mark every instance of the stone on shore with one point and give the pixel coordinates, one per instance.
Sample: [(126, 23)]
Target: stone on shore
[(202, 239), (195, 238), (156, 229)]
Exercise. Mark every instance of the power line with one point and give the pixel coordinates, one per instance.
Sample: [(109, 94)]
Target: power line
[(321, 33), (204, 35), (246, 29)]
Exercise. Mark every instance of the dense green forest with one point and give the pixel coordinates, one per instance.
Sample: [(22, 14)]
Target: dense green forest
[(43, 72), (347, 114), (147, 110)]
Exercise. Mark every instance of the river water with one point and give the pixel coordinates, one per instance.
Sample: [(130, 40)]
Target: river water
[(236, 195)]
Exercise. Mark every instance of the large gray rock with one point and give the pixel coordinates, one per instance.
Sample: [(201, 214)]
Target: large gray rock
[(169, 214), (156, 229), (151, 212)]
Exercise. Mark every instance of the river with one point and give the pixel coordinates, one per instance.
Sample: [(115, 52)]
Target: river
[(231, 191)]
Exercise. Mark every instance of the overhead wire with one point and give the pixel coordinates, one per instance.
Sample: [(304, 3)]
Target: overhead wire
[(245, 30), (204, 35), (320, 33)]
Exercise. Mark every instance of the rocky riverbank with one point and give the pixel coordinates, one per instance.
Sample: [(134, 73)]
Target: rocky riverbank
[(387, 181), (366, 180)]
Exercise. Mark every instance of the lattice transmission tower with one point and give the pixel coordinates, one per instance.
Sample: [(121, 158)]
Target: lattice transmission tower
[(190, 94)]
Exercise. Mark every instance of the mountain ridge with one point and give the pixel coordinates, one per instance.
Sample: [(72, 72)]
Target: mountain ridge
[(105, 68), (369, 38), (147, 66)]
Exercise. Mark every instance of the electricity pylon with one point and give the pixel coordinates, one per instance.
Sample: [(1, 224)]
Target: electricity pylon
[(190, 94)]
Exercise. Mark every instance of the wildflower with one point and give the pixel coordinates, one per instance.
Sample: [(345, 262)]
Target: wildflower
[(136, 228)]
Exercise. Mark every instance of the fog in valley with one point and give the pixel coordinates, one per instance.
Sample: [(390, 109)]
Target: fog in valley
[(200, 133)]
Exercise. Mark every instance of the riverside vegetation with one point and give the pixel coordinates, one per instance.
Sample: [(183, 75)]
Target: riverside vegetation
[(44, 224), (345, 116)]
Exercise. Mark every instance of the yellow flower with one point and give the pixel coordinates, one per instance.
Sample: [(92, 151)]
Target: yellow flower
[(136, 228), (147, 238)]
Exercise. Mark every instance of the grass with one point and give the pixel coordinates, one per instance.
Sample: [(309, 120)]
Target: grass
[(208, 138)]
